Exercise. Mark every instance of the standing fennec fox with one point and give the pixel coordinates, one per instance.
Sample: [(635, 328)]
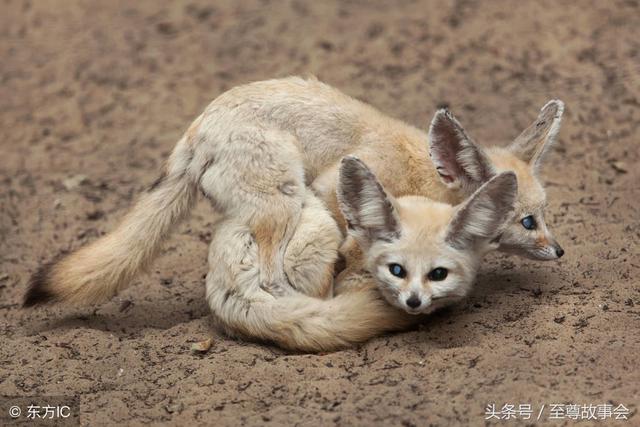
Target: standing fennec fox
[(415, 253), (257, 148)]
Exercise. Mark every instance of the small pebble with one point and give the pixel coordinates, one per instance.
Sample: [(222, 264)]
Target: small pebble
[(74, 182), (619, 167), (202, 346)]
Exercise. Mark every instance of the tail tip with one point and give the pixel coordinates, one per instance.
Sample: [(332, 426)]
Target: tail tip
[(38, 292)]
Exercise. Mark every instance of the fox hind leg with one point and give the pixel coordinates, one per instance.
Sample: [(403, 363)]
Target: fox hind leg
[(256, 178), (313, 250)]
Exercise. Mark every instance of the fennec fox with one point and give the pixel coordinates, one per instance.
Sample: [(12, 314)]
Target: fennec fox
[(405, 256), (254, 151)]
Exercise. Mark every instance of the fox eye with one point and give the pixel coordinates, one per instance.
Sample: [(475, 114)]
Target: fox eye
[(397, 270), (438, 274), (529, 222)]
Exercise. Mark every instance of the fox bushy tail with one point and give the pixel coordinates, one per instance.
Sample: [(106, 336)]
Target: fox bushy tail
[(101, 269), (246, 305), (308, 324)]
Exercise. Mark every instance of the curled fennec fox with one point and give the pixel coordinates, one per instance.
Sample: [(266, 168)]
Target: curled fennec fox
[(257, 148), (405, 256)]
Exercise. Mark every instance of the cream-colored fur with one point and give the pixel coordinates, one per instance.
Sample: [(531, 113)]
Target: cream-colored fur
[(524, 157), (419, 233), (253, 152)]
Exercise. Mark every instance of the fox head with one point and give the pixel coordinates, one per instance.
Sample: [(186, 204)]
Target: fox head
[(464, 165), (422, 254)]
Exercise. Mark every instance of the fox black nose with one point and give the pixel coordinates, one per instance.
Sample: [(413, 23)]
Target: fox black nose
[(559, 252), (414, 301)]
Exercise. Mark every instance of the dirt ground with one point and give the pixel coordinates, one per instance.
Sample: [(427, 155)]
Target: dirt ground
[(93, 96)]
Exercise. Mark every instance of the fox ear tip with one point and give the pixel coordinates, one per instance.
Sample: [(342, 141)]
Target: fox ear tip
[(510, 179), (442, 116), (556, 104), (503, 188), (443, 105), (555, 101), (442, 109), (509, 176), (348, 158), (350, 165)]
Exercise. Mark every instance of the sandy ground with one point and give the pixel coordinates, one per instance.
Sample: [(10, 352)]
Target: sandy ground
[(93, 96)]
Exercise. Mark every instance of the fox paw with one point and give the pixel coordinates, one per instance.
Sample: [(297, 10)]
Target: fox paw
[(277, 289)]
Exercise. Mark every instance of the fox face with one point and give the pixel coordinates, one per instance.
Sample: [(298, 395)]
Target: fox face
[(463, 164), (422, 254), (420, 271), (526, 234)]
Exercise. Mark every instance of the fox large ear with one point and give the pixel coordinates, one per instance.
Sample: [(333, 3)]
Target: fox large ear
[(483, 216), (369, 211), (534, 142), (458, 160)]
